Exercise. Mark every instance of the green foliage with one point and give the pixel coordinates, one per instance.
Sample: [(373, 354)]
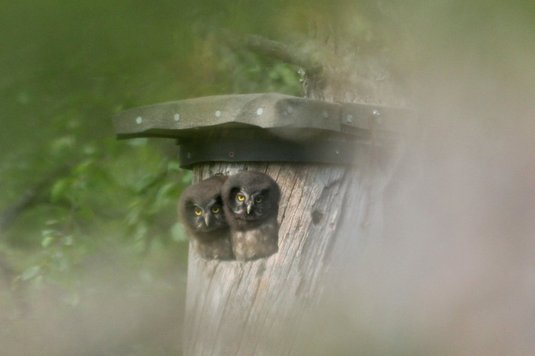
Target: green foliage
[(65, 72), (98, 215)]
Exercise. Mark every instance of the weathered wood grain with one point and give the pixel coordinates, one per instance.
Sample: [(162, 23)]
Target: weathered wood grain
[(255, 308)]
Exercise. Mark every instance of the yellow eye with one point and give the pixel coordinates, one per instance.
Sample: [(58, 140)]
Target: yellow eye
[(216, 209), (197, 211), (240, 197), (258, 199)]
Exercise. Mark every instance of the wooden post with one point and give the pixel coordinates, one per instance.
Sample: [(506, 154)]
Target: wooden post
[(254, 308), (330, 201)]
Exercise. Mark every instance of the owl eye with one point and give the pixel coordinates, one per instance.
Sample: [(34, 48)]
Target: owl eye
[(216, 209), (197, 211), (240, 197), (258, 199)]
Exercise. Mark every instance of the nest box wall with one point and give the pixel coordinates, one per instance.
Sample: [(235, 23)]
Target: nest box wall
[(262, 128)]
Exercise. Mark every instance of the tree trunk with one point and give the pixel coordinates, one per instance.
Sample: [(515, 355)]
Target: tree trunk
[(254, 308)]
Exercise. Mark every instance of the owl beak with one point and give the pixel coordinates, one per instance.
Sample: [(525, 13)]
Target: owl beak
[(249, 207), (206, 219)]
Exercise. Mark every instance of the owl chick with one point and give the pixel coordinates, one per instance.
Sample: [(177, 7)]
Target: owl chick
[(201, 212), (251, 205)]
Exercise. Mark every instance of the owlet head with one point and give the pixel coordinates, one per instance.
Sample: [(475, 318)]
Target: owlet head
[(201, 206), (206, 216), (251, 196)]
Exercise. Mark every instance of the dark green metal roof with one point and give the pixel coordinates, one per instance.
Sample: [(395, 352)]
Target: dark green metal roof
[(269, 111)]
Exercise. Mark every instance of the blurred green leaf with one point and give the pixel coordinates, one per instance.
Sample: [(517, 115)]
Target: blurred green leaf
[(187, 177), (63, 144), (68, 240), (47, 241), (173, 166), (30, 273), (177, 233), (59, 190)]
